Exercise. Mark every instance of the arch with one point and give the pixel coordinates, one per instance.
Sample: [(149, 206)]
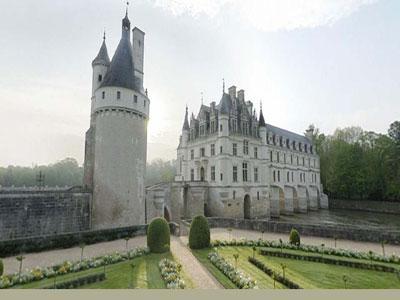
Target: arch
[(167, 216), (247, 207), (202, 174)]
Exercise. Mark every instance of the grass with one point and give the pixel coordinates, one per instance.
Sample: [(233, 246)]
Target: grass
[(263, 280), (309, 275), (145, 275)]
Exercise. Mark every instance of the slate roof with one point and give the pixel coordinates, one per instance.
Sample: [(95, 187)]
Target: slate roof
[(121, 71), (261, 121), (287, 134), (186, 122), (225, 104), (102, 57)]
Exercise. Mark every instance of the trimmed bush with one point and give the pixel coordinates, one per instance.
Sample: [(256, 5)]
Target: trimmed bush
[(158, 236), (294, 237), (1, 267), (199, 235)]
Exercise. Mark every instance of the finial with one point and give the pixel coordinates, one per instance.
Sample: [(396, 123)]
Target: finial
[(186, 109), (260, 105), (223, 85), (104, 35), (127, 4), (201, 98)]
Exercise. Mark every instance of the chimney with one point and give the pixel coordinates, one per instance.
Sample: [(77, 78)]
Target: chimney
[(232, 92), (241, 95)]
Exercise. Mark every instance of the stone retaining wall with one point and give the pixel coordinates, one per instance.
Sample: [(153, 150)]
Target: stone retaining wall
[(364, 205), (347, 232)]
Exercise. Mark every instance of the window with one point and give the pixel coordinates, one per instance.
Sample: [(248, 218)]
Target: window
[(103, 95), (311, 149), (212, 149), (255, 152), (221, 176), (135, 98), (100, 78), (279, 176), (306, 148), (234, 195), (191, 174), (270, 155), (258, 195), (314, 163), (192, 154), (309, 162), (277, 156), (234, 149), (291, 159), (292, 177), (303, 161), (144, 103), (256, 174), (220, 127), (220, 149), (273, 173), (234, 174), (297, 160), (245, 147), (118, 95), (202, 152), (287, 143), (287, 177), (284, 158), (212, 173), (244, 167), (280, 141)]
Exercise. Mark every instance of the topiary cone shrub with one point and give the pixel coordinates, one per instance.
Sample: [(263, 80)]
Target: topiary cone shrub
[(199, 235), (1, 267), (158, 236), (294, 237)]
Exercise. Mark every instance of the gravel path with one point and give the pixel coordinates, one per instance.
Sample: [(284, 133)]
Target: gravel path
[(200, 276), (192, 267)]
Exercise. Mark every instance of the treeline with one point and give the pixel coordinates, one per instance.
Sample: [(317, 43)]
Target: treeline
[(358, 164), (67, 172)]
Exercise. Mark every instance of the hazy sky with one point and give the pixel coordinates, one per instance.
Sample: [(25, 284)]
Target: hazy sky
[(332, 63)]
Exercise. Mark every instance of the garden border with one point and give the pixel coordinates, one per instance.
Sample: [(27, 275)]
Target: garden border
[(73, 284)]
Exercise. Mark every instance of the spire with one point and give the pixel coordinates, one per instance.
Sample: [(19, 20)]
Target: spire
[(102, 57), (261, 121), (186, 121), (223, 86), (126, 24)]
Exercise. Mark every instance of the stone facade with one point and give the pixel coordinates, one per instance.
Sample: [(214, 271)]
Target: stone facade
[(33, 213), (244, 167), (116, 142)]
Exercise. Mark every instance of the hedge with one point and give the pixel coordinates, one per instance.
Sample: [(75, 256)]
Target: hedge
[(75, 283), (158, 236), (332, 261), (1, 267), (294, 237), (395, 259), (284, 280), (199, 235)]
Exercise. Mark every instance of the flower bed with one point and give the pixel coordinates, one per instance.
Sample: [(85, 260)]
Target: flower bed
[(75, 283), (332, 261), (309, 248), (170, 273), (287, 282), (39, 273), (239, 278)]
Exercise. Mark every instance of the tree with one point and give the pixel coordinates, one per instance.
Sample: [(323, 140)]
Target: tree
[(236, 257), (82, 246), (394, 131), (20, 258)]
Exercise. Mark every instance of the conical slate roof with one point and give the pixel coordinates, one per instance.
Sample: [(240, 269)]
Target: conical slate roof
[(102, 57), (261, 121), (186, 122), (225, 104), (121, 72)]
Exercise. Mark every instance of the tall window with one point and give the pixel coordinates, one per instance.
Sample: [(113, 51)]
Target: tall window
[(234, 195), (256, 174), (220, 149), (212, 173), (103, 95), (270, 155), (144, 103), (287, 177), (245, 147), (258, 195), (255, 152), (100, 78), (234, 149), (192, 174), (135, 98), (192, 154), (220, 127), (291, 159), (202, 152), (303, 161), (212, 149), (277, 156), (297, 160), (292, 177), (279, 176), (234, 174), (118, 95), (244, 167), (284, 158), (221, 176), (274, 175)]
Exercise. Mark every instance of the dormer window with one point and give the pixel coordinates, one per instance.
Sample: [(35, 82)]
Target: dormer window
[(118, 95), (100, 78), (287, 143), (135, 98)]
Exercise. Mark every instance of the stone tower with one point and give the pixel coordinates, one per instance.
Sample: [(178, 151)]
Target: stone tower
[(116, 142)]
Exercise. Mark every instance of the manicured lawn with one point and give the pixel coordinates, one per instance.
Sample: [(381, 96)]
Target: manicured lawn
[(145, 275), (263, 280), (309, 275)]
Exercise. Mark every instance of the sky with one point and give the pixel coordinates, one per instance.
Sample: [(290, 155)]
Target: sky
[(331, 63)]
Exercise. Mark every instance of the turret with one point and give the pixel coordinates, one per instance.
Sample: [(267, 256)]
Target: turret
[(262, 127), (185, 129), (100, 66)]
